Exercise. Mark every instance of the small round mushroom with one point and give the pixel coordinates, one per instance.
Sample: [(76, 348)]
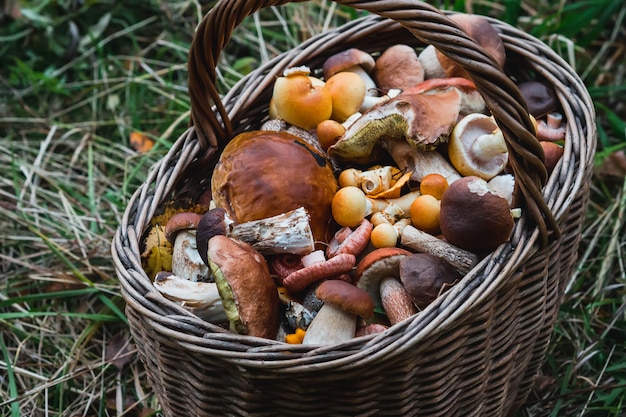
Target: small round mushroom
[(398, 67), (540, 98), (352, 60), (336, 321), (434, 184), (477, 147), (248, 292), (375, 266), (473, 217), (349, 206), (384, 235), (347, 91), (425, 212), (301, 102), (328, 133), (425, 277)]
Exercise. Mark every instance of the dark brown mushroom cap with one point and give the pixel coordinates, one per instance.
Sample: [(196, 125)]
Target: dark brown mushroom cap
[(213, 222), (345, 59), (347, 297), (375, 266), (473, 217), (249, 294), (540, 98), (261, 174), (425, 276)]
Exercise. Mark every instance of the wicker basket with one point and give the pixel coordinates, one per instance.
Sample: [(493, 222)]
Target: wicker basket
[(474, 352)]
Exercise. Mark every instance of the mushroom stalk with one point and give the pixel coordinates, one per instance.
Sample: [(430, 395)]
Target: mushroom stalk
[(285, 233), (186, 260), (420, 241), (331, 325), (395, 207), (420, 163), (489, 145)]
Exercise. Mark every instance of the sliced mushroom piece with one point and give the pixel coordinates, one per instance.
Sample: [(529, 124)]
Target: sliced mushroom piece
[(200, 298), (288, 232)]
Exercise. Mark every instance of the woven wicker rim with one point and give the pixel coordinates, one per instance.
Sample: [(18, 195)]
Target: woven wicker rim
[(171, 320)]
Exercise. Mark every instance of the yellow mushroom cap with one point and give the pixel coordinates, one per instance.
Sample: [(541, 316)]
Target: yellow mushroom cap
[(300, 101)]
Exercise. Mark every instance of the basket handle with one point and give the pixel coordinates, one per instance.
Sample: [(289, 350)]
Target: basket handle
[(427, 24)]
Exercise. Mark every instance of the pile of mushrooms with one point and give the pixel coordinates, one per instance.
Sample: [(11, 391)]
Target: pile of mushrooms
[(375, 184)]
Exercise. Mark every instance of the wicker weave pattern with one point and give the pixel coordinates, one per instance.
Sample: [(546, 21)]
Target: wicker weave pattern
[(474, 351)]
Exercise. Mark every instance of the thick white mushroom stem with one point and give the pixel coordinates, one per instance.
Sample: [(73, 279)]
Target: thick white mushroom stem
[(285, 233), (423, 242), (331, 325), (490, 145), (186, 260), (201, 298), (420, 163)]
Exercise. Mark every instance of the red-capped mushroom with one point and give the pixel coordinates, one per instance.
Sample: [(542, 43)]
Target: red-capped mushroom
[(375, 266)]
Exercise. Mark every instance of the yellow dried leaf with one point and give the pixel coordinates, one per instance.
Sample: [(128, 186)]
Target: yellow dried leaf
[(159, 259)]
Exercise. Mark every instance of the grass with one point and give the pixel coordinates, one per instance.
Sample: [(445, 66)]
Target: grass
[(78, 78)]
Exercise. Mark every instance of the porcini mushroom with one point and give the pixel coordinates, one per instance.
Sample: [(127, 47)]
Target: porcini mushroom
[(425, 277), (473, 217), (375, 266), (540, 98), (398, 67), (336, 321), (477, 147), (261, 174), (396, 300), (248, 292), (187, 263), (484, 33)]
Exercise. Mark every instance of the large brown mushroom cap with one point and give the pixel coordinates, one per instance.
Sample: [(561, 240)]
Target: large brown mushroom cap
[(473, 217), (425, 277), (248, 292), (265, 173), (484, 33)]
